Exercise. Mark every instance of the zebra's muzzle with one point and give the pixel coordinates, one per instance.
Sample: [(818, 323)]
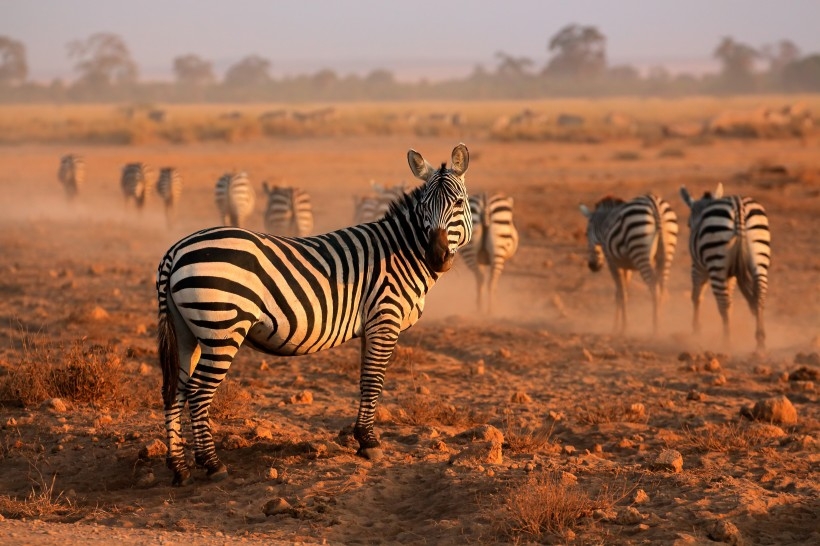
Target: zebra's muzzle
[(438, 255)]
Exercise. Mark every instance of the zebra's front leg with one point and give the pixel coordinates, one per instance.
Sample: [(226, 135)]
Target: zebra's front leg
[(621, 277), (377, 347), (479, 281), (698, 286)]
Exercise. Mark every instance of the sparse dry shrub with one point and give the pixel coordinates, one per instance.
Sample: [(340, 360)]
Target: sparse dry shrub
[(524, 439), (231, 401), (724, 437), (612, 412), (671, 152), (42, 502), (424, 410), (626, 155)]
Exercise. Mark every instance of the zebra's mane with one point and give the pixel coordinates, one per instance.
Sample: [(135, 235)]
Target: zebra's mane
[(405, 201), (608, 201)]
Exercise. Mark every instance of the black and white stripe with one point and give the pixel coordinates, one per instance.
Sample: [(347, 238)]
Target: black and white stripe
[(641, 235), (135, 183), (730, 243), (289, 212), (374, 205), (71, 174), (494, 241), (222, 287), (235, 198), (169, 188)]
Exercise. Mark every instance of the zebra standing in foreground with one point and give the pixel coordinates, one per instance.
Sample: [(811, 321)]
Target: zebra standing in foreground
[(222, 287), (71, 174), (169, 187), (639, 234), (730, 244), (289, 212), (494, 241), (371, 207), (235, 198), (134, 183)]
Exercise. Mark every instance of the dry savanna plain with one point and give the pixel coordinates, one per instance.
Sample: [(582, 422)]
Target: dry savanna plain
[(535, 424)]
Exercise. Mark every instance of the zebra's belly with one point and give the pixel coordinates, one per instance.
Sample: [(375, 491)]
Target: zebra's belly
[(264, 339)]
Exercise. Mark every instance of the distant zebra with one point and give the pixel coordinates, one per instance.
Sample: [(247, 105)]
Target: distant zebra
[(373, 206), (71, 174), (730, 244), (639, 234), (134, 183), (222, 287), (494, 241), (169, 187), (289, 212), (235, 198)]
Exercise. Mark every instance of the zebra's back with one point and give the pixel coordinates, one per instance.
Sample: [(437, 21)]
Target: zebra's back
[(373, 206), (134, 182), (169, 185), (71, 174), (234, 197), (289, 211)]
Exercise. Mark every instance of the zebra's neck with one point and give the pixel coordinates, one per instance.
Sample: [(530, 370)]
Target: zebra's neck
[(407, 236)]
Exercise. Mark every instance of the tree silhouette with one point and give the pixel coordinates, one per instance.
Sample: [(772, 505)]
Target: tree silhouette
[(252, 71), (780, 55), (13, 66), (578, 52), (192, 70), (738, 61), (512, 67), (103, 60)]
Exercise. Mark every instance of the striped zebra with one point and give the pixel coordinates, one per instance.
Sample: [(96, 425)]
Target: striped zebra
[(71, 174), (289, 212), (730, 244), (222, 287), (169, 187), (235, 198), (640, 234), (371, 207), (134, 183), (494, 241)]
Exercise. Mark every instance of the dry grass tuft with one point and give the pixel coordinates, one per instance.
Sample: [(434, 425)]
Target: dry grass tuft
[(724, 437), (424, 410), (626, 155), (671, 152), (231, 401), (42, 502), (523, 439), (612, 412)]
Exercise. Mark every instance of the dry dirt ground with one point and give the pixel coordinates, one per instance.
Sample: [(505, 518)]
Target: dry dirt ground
[(585, 414)]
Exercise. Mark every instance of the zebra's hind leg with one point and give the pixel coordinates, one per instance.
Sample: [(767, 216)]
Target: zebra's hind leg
[(722, 289), (698, 286), (376, 350)]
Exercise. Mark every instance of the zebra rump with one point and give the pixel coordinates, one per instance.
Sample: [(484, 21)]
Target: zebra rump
[(234, 197), (289, 212), (71, 174), (134, 183)]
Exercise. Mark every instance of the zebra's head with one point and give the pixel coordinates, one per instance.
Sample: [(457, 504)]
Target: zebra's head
[(443, 207), (595, 220), (696, 206)]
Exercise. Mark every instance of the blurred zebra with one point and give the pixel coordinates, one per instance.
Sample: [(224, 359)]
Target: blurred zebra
[(222, 287), (639, 234), (169, 187), (234, 198), (494, 241), (71, 174), (730, 243), (134, 183), (289, 212), (373, 206)]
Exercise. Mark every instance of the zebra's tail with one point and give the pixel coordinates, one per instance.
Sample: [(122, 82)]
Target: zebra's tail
[(167, 341)]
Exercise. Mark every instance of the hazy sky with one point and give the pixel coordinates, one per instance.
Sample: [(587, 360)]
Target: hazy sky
[(433, 37)]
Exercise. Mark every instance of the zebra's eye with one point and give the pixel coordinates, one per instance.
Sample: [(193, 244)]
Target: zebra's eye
[(460, 202)]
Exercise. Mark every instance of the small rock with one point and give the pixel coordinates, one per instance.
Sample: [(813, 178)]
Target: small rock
[(685, 357), (556, 415), (802, 386), (262, 432), (569, 450), (483, 433), (503, 352), (304, 397), (725, 531), (637, 409), (272, 473), (11, 422), (629, 515), (278, 506), (605, 515), (478, 453), (529, 467), (640, 497), (264, 366), (98, 313), (712, 366), (421, 389), (144, 369), (669, 459), (146, 479), (520, 397), (479, 368), (438, 445), (777, 409), (762, 370), (719, 380), (568, 478), (383, 415), (55, 405), (140, 330), (696, 396), (154, 450), (804, 373), (234, 441)]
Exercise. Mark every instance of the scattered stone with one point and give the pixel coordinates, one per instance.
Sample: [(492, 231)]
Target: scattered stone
[(146, 478), (767, 430), (712, 366), (304, 397), (272, 473), (478, 453), (669, 459), (144, 369), (777, 409), (153, 450), (719, 380), (640, 497), (264, 366), (421, 389), (725, 531), (588, 356), (262, 432), (140, 330), (278, 506), (103, 420), (98, 313), (503, 352), (11, 422), (696, 396), (438, 445), (802, 386), (556, 415), (637, 409), (597, 448), (479, 368), (520, 397), (529, 467), (568, 478), (55, 405), (383, 415), (804, 373), (762, 370), (482, 433), (234, 441), (96, 269), (605, 515), (569, 450), (685, 357), (629, 515)]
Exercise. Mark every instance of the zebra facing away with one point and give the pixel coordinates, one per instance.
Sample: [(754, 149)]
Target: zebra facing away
[(169, 187), (134, 183), (71, 174), (289, 212), (371, 207), (639, 234), (234, 198), (222, 287), (730, 243), (494, 241)]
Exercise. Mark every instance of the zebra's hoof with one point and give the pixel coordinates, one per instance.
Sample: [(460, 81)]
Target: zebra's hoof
[(370, 453), (182, 479), (218, 474)]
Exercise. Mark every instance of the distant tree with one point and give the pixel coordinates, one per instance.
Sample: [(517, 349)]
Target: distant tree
[(324, 79), (779, 55), (252, 71), (623, 73), (803, 74), (380, 76), (103, 60), (192, 70), (512, 67), (738, 62), (13, 66), (578, 52)]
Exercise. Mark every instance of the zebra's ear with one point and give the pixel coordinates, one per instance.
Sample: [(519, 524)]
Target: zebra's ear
[(719, 191), (266, 187), (461, 159), (684, 193), (421, 169), (585, 211)]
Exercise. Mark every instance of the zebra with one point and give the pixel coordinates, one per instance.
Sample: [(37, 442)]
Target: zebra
[(371, 207), (234, 197), (730, 243), (494, 241), (169, 187), (221, 287), (289, 212), (639, 234), (71, 174), (134, 183)]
